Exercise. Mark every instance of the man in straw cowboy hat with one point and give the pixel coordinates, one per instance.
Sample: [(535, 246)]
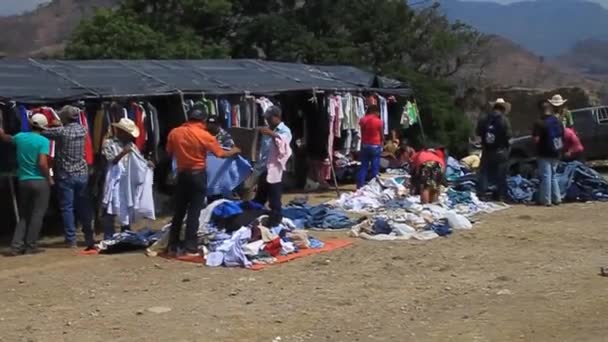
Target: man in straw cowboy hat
[(115, 150), (72, 175), (34, 184), (494, 129), (548, 135)]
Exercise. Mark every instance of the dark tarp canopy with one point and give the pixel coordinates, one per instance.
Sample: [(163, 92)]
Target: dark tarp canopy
[(31, 81)]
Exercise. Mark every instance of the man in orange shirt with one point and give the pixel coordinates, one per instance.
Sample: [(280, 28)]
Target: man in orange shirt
[(189, 144)]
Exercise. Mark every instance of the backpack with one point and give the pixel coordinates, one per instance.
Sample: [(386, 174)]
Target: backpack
[(555, 134), (494, 132)]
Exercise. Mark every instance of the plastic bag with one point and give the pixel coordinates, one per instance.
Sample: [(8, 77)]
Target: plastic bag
[(457, 221)]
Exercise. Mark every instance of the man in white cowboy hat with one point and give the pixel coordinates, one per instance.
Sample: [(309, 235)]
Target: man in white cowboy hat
[(560, 108), (34, 184), (115, 149), (494, 129), (548, 135), (72, 175)]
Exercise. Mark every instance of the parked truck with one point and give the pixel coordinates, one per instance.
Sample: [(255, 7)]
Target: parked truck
[(591, 126)]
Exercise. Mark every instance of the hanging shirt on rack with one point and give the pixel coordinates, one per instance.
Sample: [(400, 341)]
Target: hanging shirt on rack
[(88, 145), (225, 112), (140, 117), (265, 103), (383, 104)]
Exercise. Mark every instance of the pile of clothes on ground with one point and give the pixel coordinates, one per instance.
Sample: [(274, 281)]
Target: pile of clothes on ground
[(321, 217), (236, 234), (129, 241), (577, 182), (394, 214)]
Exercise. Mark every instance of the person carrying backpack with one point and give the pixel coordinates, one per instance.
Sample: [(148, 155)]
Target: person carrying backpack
[(548, 135), (494, 129)]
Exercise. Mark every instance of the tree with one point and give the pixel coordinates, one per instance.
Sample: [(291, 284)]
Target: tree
[(385, 36)]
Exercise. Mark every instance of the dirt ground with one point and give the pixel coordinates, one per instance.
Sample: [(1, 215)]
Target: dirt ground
[(525, 274)]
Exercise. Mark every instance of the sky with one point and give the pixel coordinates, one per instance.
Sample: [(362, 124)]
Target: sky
[(11, 7), (602, 2)]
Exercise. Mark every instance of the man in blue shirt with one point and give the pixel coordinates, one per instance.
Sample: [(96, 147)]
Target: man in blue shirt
[(34, 184)]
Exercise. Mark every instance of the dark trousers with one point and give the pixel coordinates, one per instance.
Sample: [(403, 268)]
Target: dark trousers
[(107, 222), (33, 202), (494, 167), (190, 196), (270, 193)]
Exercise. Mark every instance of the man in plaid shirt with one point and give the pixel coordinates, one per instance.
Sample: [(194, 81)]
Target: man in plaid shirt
[(72, 175)]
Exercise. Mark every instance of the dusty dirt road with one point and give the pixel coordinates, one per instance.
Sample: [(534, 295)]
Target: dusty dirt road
[(526, 274)]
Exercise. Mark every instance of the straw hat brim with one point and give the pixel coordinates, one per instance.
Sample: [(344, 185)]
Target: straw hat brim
[(505, 105), (132, 131)]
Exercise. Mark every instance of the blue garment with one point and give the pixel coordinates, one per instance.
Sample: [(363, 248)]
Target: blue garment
[(381, 227), (25, 123), (128, 240), (459, 197), (578, 182), (521, 190), (454, 170), (441, 228), (549, 192), (322, 216), (316, 244), (227, 209), (225, 175), (225, 111), (74, 198), (370, 158)]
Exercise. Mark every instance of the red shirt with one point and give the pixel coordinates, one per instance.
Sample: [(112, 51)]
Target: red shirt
[(371, 130), (426, 156), (572, 143)]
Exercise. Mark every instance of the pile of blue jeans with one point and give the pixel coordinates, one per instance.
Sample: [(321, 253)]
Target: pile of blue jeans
[(578, 182), (521, 190), (322, 216)]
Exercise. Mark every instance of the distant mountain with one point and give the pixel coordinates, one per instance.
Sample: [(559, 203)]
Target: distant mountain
[(588, 57), (507, 64), (545, 27), (44, 31)]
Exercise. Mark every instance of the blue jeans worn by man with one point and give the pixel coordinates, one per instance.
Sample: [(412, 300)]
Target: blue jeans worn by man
[(494, 169), (369, 157), (549, 192), (74, 198)]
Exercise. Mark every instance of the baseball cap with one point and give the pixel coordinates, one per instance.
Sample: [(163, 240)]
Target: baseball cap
[(212, 119), (69, 113), (39, 120)]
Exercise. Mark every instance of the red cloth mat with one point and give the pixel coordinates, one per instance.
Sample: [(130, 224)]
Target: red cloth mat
[(193, 259), (330, 245), (91, 252)]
